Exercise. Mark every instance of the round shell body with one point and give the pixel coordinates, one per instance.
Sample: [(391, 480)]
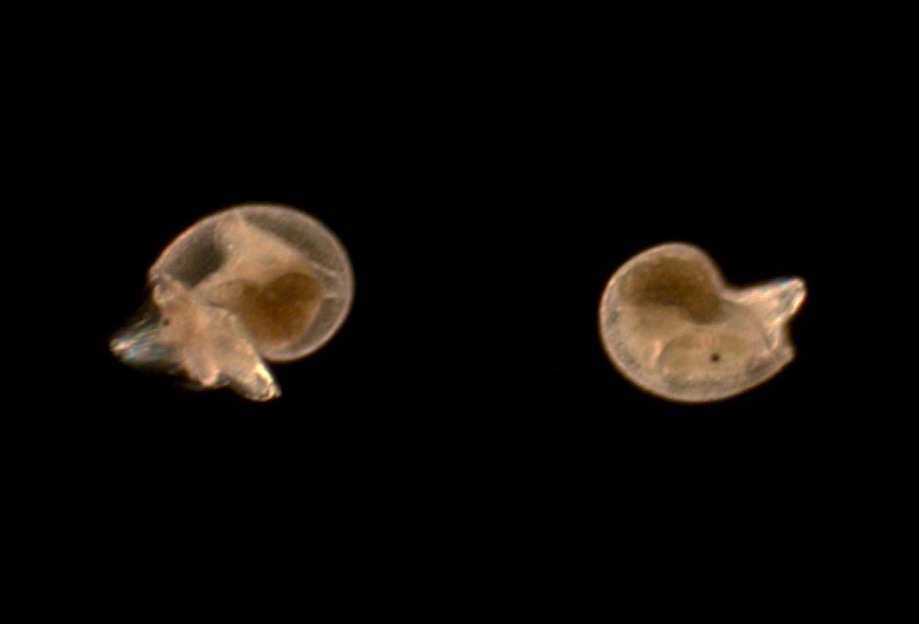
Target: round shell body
[(671, 325), (250, 283)]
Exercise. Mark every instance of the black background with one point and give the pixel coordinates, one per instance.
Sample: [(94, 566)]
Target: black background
[(486, 184), (486, 191)]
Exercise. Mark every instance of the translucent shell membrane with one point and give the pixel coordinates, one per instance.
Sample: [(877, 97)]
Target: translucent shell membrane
[(249, 284), (673, 327)]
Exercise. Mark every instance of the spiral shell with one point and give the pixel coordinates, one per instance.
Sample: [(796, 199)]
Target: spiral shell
[(673, 327), (249, 284)]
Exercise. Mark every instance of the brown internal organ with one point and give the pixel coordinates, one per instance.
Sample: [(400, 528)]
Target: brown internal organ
[(678, 282), (280, 311)]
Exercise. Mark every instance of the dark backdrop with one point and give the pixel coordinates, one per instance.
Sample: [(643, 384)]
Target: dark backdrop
[(486, 186), (486, 191)]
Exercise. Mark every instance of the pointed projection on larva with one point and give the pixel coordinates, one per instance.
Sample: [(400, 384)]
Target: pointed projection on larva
[(249, 284), (673, 327)]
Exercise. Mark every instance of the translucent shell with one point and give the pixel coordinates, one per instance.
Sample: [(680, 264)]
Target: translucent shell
[(250, 283), (671, 325)]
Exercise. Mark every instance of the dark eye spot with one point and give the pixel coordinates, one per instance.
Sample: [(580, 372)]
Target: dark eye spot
[(166, 322), (715, 357)]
